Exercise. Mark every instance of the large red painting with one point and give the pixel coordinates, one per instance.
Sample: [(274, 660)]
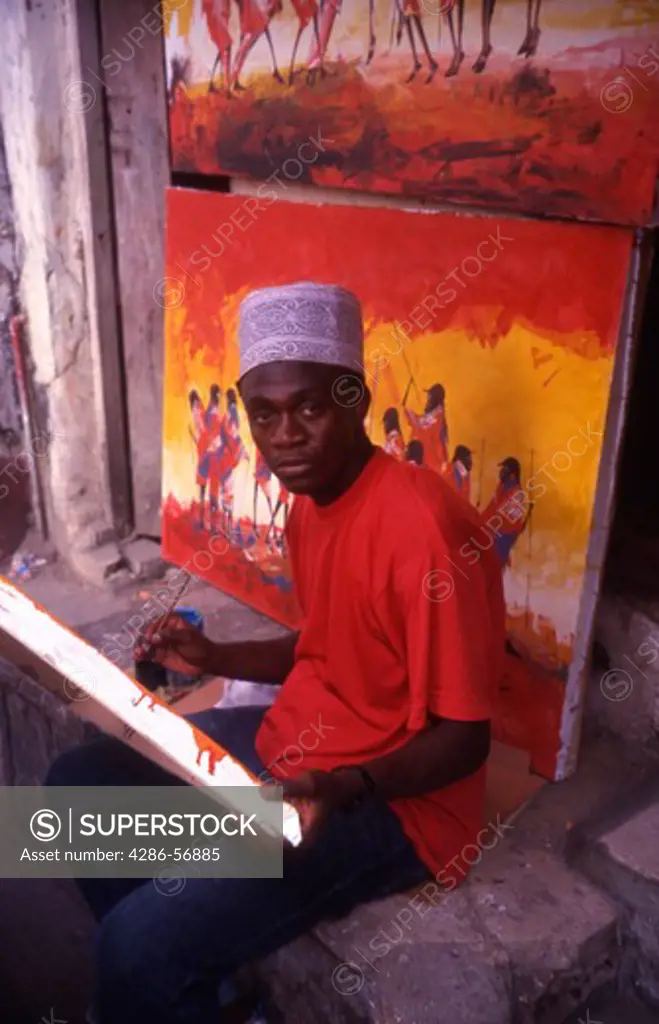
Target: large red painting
[(489, 352), (539, 106)]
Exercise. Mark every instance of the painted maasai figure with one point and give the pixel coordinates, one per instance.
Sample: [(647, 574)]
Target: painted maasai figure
[(412, 12), (262, 477), (305, 11), (509, 505), (431, 429), (233, 452), (216, 13), (199, 435), (328, 12), (393, 436), (414, 453), (253, 24), (178, 78), (458, 473), (215, 440)]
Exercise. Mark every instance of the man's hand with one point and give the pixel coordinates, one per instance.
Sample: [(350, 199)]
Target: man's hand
[(174, 643), (180, 647), (315, 795)]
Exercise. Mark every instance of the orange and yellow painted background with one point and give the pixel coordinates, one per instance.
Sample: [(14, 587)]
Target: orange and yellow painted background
[(568, 127), (517, 320)]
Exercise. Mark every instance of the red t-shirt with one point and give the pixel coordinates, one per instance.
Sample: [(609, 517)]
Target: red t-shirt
[(396, 624)]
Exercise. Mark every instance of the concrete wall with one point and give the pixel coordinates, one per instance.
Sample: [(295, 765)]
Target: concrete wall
[(9, 411), (139, 168), (14, 485), (57, 162)]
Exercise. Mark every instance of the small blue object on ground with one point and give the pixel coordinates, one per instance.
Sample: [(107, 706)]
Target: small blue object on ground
[(191, 615)]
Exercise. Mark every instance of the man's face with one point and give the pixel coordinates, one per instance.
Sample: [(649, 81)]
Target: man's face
[(304, 434)]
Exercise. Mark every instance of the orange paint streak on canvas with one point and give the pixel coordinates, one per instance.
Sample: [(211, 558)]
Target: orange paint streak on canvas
[(204, 746)]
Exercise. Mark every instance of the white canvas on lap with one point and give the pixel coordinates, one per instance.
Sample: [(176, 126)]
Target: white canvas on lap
[(96, 690)]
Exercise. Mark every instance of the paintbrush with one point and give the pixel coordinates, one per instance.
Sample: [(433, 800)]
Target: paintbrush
[(169, 609)]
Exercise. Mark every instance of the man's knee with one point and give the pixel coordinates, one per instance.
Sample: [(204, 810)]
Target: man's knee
[(103, 762), (72, 768), (145, 962)]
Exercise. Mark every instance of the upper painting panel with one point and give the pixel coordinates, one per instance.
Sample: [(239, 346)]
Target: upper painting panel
[(537, 106)]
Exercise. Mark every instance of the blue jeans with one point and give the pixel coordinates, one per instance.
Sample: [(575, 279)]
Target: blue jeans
[(161, 958)]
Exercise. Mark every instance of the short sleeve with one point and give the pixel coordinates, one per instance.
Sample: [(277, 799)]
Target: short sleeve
[(449, 618)]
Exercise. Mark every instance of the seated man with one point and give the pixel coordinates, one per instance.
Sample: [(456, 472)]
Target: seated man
[(381, 728)]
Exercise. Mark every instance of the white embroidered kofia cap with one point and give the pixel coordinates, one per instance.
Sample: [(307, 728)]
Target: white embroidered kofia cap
[(304, 322)]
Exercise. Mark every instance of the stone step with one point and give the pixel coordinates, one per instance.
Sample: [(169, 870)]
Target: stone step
[(623, 694), (609, 1007), (620, 853), (525, 939)]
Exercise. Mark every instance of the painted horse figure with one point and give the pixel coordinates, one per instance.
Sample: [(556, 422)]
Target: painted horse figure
[(487, 11), (527, 49), (410, 18), (530, 45), (446, 9), (407, 17)]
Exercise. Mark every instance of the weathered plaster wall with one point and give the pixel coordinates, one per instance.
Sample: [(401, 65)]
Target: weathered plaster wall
[(57, 165), (9, 410), (14, 485)]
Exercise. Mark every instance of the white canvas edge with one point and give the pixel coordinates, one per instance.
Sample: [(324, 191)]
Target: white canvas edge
[(95, 689)]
